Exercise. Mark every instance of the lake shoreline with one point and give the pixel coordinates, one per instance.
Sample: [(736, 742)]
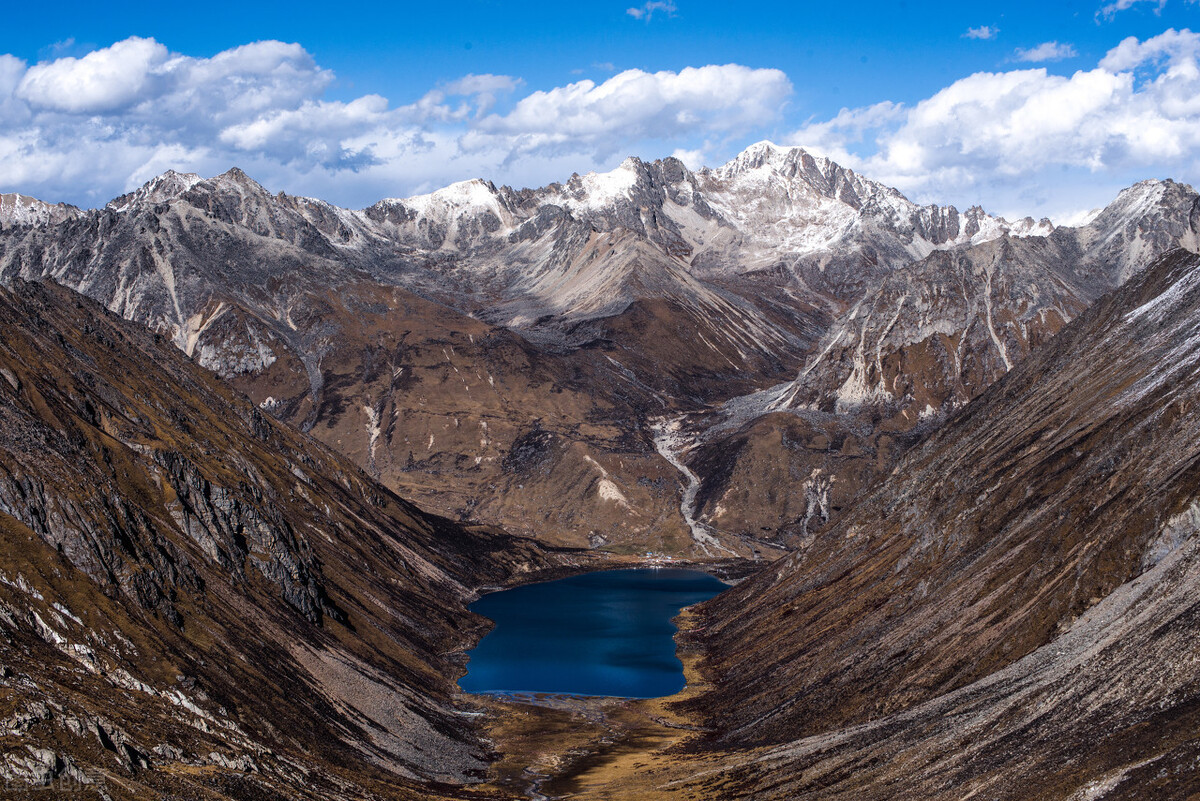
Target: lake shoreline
[(571, 746), (602, 633)]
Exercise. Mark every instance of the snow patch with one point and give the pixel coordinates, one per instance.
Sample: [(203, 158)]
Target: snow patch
[(372, 432)]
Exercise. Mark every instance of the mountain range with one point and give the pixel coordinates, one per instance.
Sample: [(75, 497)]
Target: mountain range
[(258, 452), (490, 351)]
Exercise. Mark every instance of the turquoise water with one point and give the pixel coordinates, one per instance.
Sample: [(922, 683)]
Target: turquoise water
[(607, 633)]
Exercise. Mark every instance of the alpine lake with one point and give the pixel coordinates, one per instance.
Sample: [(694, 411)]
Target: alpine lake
[(607, 633)]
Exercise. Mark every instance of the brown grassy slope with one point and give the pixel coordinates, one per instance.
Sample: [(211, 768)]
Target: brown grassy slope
[(989, 540), (471, 420), (303, 614)]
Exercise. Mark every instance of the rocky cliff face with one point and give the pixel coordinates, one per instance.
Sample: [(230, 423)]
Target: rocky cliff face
[(1004, 614), (196, 599)]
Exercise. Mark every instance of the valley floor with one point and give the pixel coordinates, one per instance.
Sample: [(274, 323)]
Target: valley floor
[(559, 747)]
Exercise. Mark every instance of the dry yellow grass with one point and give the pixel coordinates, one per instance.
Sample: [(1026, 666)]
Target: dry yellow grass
[(602, 748)]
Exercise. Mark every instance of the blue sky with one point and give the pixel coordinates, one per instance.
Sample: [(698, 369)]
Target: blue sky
[(1029, 108)]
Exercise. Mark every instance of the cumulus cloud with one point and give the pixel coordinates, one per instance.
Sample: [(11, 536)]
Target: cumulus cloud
[(1046, 51), (999, 134), (118, 115), (838, 137), (104, 80), (1178, 48), (141, 77), (692, 159), (637, 105), (646, 10), (982, 32)]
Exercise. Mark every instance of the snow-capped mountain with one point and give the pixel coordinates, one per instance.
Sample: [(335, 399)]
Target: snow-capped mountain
[(994, 302), (584, 316), (771, 207), (524, 254), (160, 189), (16, 209), (789, 204)]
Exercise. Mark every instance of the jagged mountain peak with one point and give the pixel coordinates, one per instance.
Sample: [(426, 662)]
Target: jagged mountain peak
[(593, 190), (768, 154), (17, 209), (159, 189), (1143, 197), (768, 161), (1144, 219), (473, 194), (238, 175), (767, 167), (237, 180)]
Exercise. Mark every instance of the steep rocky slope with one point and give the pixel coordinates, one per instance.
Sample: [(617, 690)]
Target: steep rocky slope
[(196, 600), (1009, 614), (921, 343)]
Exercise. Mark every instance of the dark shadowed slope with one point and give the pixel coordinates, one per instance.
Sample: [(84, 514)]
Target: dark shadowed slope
[(1013, 612), (195, 599)]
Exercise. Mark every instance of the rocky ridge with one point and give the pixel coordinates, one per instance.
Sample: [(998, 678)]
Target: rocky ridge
[(196, 599), (22, 210)]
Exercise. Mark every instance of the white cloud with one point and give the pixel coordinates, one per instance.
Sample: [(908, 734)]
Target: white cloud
[(480, 84), (1046, 51), (104, 80), (109, 120), (982, 32), (1110, 10), (1029, 141), (692, 159), (1178, 48), (635, 105), (1028, 137), (483, 89), (646, 10)]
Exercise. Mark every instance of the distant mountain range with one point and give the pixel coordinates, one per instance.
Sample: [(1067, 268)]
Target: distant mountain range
[(461, 344)]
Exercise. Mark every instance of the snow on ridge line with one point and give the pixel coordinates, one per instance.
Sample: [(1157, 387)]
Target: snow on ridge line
[(165, 187), (18, 209), (601, 188), (471, 193)]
